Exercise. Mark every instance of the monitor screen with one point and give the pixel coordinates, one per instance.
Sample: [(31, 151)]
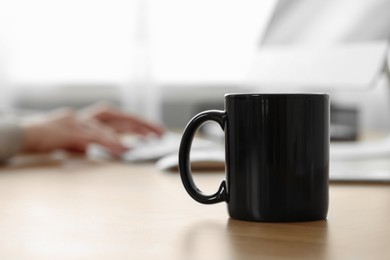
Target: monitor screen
[(323, 45)]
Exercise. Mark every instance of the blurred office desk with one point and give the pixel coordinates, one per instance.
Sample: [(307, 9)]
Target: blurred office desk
[(74, 208)]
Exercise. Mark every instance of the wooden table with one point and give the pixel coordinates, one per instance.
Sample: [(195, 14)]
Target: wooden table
[(74, 208)]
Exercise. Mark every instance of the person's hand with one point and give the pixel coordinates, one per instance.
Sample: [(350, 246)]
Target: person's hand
[(74, 131), (119, 121)]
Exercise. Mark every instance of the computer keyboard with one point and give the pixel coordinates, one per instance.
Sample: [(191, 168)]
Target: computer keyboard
[(154, 148)]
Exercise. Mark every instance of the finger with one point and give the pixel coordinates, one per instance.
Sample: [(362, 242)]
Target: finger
[(111, 115), (125, 127), (94, 132), (135, 125)]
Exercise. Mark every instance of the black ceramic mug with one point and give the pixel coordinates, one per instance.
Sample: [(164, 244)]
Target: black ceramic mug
[(277, 156)]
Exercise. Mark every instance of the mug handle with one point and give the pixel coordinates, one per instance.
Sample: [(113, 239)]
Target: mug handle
[(184, 157)]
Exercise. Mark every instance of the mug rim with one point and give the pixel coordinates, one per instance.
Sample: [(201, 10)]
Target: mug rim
[(264, 95)]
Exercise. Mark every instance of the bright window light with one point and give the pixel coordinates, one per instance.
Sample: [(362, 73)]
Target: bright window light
[(94, 41)]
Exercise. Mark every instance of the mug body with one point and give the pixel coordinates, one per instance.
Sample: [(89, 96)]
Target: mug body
[(277, 156)]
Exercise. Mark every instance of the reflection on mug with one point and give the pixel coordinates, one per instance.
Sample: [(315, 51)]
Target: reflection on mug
[(297, 240)]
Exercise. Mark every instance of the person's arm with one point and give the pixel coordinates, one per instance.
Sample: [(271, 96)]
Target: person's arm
[(72, 130), (11, 139)]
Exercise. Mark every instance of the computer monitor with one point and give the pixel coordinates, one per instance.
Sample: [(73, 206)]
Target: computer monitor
[(323, 45)]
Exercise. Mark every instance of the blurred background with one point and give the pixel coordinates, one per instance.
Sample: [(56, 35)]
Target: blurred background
[(167, 60)]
